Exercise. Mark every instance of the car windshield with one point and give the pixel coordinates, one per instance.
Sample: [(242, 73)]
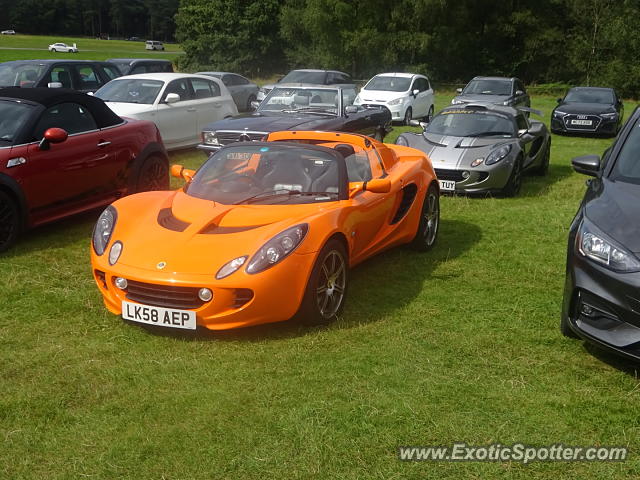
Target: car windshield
[(134, 90), (251, 173), (627, 166), (488, 87), (312, 100), (20, 74), (470, 123), (589, 96), (13, 116), (388, 83), (299, 76)]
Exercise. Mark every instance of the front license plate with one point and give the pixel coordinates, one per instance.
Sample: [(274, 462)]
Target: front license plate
[(447, 185), (163, 317), (581, 122)]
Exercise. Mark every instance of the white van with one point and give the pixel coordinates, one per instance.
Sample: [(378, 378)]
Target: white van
[(153, 45)]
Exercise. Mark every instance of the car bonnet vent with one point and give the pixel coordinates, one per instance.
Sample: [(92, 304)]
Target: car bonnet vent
[(408, 196), (168, 221)]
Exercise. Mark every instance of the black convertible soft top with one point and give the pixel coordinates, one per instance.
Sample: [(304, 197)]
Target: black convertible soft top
[(48, 97)]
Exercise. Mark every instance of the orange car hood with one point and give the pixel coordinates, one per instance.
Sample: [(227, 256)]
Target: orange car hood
[(216, 233)]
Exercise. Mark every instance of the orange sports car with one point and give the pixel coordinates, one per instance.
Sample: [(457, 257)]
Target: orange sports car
[(263, 231)]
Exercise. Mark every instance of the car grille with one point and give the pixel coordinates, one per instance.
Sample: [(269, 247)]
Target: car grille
[(595, 122), (455, 175), (167, 296), (242, 297), (227, 137)]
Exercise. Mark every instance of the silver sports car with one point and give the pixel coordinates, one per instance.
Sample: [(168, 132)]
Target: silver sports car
[(482, 147)]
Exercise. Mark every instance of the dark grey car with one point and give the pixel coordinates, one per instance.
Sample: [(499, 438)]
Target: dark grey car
[(497, 90), (133, 66), (243, 90)]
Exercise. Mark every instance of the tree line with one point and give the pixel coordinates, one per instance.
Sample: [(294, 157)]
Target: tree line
[(541, 41), (147, 19)]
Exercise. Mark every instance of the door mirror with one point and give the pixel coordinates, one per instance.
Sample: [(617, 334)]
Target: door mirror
[(172, 98), (52, 135), (350, 109), (378, 185), (178, 171), (254, 105), (587, 165), (415, 92), (459, 90), (535, 129), (519, 92), (559, 100), (54, 85)]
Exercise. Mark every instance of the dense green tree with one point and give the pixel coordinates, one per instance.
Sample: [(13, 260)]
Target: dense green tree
[(236, 35)]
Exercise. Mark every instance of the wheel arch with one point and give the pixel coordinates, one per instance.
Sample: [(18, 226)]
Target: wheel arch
[(12, 188), (153, 148)]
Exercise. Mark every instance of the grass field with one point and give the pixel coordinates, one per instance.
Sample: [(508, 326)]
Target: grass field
[(460, 344), (21, 47)]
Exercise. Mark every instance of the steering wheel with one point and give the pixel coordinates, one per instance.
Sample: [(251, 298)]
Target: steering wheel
[(239, 183)]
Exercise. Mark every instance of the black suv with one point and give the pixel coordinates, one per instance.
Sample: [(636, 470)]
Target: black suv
[(82, 75), (133, 66)]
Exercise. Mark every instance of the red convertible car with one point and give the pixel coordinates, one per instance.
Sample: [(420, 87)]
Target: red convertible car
[(63, 152)]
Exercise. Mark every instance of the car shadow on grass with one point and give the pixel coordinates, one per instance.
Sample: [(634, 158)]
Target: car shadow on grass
[(618, 362), (378, 288), (536, 185)]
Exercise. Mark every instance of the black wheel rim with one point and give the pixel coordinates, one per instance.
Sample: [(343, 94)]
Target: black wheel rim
[(153, 176), (431, 219), (331, 284), (8, 222), (517, 176), (407, 116), (430, 114)]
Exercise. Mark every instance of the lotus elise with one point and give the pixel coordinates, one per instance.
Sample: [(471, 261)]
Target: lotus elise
[(263, 231)]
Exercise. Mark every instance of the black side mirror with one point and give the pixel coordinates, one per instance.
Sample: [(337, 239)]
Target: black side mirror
[(535, 128), (587, 165), (559, 100)]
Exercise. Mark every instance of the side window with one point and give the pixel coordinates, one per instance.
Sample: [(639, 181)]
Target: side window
[(204, 88), (522, 123), (89, 79), (240, 80), (520, 86), (111, 72), (227, 80), (421, 84), (138, 69), (71, 117), (181, 87), (348, 96), (340, 78), (428, 83), (61, 74)]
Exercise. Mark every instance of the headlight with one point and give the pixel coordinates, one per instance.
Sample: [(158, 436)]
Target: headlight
[(278, 248), (497, 155), (455, 101), (102, 230), (609, 115), (592, 243), (210, 138), (559, 113), (402, 141), (397, 101), (230, 267)]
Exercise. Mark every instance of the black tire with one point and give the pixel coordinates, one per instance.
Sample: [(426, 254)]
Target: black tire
[(543, 168), (565, 329), (429, 224), (153, 175), (252, 98), (330, 274), (512, 188), (9, 221), (408, 115), (429, 115)]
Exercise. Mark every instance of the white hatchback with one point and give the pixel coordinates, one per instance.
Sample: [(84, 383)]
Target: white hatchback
[(406, 95), (179, 104)]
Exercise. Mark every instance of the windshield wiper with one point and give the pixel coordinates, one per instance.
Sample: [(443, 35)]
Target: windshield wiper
[(317, 109), (279, 193)]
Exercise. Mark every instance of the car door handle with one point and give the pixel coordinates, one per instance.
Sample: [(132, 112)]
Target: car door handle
[(191, 109), (367, 118), (217, 105), (103, 144)]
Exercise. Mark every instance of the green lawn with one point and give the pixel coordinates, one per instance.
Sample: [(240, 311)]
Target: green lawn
[(21, 47), (460, 344)]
